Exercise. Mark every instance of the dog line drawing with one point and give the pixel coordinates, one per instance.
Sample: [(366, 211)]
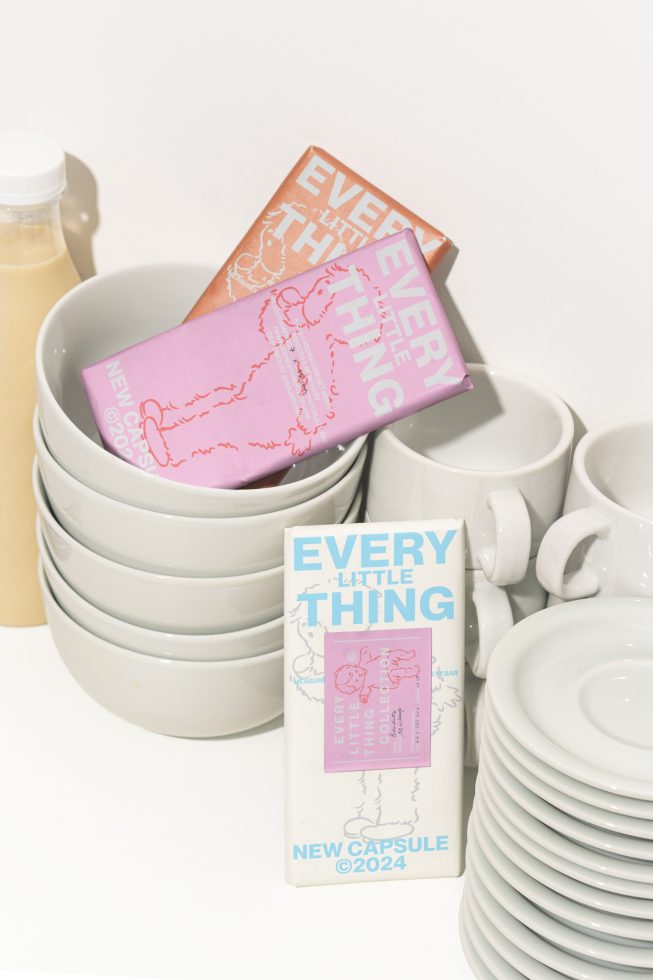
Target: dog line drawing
[(283, 318), (252, 271), (266, 264)]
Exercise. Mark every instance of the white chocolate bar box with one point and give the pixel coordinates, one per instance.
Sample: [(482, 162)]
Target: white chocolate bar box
[(374, 672)]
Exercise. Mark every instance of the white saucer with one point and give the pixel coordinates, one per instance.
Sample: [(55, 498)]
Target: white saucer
[(514, 957), (637, 851), (613, 822), (600, 864), (607, 957), (523, 949), (552, 871), (603, 950), (615, 928), (574, 684), (478, 966), (626, 805), (484, 960), (597, 934)]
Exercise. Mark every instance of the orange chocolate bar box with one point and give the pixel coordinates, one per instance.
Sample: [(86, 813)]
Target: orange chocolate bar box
[(322, 210)]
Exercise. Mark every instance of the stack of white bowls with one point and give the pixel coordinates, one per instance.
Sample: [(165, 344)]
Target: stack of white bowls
[(560, 854), (164, 600)]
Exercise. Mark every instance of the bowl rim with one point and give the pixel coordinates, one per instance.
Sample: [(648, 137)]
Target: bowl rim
[(195, 639), (150, 661), (183, 521), (208, 581), (88, 445)]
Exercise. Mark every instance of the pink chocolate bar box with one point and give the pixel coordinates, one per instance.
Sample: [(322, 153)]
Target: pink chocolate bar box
[(250, 388)]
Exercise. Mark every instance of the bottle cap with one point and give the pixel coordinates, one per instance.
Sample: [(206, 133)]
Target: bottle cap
[(32, 169)]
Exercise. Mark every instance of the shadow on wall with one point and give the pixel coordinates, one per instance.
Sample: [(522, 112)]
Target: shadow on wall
[(579, 426), (470, 349), (79, 215)]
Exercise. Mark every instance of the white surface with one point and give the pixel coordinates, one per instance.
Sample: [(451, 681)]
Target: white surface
[(128, 853), (521, 130)]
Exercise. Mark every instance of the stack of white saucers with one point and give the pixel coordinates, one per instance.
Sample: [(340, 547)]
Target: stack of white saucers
[(560, 855), (164, 600)]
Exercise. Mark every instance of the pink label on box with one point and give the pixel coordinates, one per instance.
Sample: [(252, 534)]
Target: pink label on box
[(377, 700)]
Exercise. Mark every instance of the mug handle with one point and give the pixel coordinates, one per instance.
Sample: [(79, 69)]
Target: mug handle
[(494, 615), (558, 543), (506, 562), (474, 713)]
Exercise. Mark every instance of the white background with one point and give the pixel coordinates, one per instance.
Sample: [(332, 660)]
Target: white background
[(522, 130)]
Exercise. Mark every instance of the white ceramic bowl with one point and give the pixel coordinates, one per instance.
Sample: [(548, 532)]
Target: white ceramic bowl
[(194, 699), (104, 315), (206, 546), (237, 645), (173, 603)]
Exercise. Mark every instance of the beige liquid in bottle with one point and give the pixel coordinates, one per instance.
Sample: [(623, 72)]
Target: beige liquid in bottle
[(35, 271)]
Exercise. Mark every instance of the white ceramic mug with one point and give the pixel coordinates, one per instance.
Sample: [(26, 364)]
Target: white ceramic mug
[(497, 456), (603, 543), (492, 609)]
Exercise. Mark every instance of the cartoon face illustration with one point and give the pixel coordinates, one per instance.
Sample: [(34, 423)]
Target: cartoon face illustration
[(350, 678), (371, 671)]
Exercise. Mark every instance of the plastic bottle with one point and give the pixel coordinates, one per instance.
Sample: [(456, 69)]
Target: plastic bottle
[(35, 271)]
